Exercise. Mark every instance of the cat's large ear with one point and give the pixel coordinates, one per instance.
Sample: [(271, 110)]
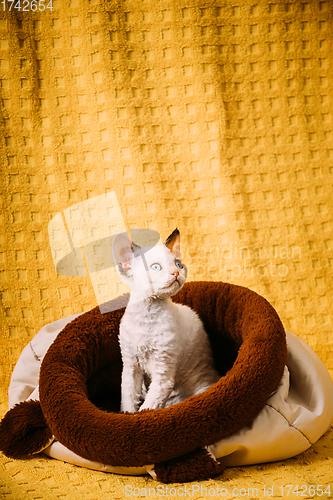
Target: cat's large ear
[(124, 251), (173, 243)]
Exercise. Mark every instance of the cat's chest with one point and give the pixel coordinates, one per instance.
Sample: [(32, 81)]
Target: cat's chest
[(146, 331)]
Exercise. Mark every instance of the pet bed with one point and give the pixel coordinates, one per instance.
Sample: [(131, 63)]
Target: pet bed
[(255, 413)]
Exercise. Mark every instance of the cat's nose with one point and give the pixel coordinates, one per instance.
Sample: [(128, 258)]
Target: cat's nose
[(175, 273)]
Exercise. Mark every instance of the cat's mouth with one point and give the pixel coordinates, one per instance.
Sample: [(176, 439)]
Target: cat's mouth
[(171, 283)]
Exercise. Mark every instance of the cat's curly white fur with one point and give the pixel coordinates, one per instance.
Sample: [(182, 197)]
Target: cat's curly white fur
[(165, 350)]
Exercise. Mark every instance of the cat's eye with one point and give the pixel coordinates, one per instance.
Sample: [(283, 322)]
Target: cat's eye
[(178, 264), (156, 266)]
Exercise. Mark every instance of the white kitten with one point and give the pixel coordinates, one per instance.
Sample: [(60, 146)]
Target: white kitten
[(165, 349)]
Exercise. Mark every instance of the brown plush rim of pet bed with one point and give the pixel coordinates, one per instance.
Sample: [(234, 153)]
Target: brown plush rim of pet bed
[(81, 374)]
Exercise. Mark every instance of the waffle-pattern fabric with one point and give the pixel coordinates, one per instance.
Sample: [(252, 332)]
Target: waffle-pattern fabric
[(214, 117)]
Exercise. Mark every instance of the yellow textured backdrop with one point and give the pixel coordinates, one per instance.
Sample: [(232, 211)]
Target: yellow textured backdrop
[(214, 117)]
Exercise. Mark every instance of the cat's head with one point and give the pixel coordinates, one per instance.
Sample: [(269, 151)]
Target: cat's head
[(151, 272)]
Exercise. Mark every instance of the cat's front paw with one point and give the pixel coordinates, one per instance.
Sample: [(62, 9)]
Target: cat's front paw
[(143, 407), (151, 406), (128, 407)]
